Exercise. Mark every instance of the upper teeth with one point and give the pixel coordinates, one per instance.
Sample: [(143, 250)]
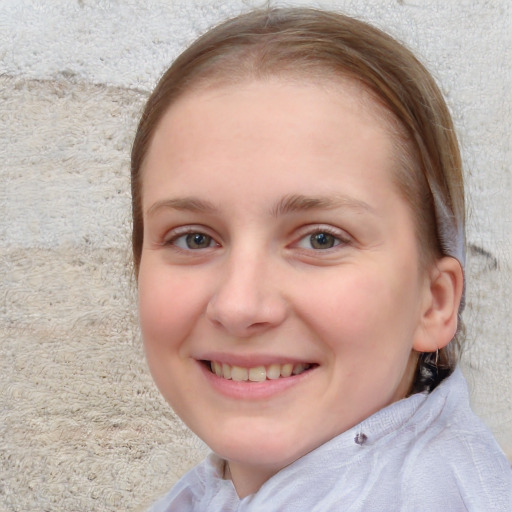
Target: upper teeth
[(257, 373)]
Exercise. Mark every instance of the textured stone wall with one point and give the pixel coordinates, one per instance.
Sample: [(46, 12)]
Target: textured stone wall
[(82, 426)]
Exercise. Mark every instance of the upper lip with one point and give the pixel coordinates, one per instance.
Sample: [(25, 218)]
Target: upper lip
[(251, 360)]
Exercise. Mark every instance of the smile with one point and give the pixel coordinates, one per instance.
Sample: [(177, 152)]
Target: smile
[(257, 373)]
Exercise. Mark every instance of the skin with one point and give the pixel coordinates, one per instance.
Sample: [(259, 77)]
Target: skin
[(257, 169)]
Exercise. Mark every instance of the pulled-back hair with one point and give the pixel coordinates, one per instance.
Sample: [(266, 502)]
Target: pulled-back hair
[(313, 45)]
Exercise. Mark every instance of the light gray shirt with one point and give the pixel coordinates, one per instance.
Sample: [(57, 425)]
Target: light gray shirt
[(426, 453)]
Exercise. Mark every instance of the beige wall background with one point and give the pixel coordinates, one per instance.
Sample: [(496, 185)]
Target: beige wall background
[(82, 426)]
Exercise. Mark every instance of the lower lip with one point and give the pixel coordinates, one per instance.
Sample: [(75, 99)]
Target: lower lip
[(249, 390)]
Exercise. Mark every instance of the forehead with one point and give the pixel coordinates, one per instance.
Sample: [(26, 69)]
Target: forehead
[(306, 139), (272, 101), (345, 91)]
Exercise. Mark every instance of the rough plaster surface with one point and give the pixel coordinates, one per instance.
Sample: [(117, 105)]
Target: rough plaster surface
[(82, 426)]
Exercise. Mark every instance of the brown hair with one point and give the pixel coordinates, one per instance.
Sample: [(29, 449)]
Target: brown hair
[(304, 43)]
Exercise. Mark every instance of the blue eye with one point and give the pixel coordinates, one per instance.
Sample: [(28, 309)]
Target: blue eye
[(319, 240), (322, 241), (194, 241)]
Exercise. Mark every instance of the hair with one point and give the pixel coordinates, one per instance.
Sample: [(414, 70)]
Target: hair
[(314, 45)]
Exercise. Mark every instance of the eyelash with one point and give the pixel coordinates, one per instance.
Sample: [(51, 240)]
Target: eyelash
[(339, 240), (183, 233)]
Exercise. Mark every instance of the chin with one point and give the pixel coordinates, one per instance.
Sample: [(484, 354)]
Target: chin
[(269, 448), (253, 461)]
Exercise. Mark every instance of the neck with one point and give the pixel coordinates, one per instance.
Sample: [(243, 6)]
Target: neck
[(247, 480)]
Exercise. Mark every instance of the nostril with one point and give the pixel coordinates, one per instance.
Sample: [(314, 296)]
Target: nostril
[(258, 325), (243, 311), (215, 322)]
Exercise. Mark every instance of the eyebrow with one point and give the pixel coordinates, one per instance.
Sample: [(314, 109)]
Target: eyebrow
[(298, 202), (289, 204), (190, 204)]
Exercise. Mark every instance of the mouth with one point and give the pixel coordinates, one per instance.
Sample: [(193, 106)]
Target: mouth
[(257, 373)]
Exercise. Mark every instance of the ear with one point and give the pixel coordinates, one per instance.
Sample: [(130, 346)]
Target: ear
[(443, 293)]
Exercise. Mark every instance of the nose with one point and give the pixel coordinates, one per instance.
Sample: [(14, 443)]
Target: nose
[(248, 299)]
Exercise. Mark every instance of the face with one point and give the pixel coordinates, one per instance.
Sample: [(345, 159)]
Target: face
[(280, 289)]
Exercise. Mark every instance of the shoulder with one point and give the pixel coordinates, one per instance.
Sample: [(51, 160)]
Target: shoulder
[(202, 488), (460, 471), (456, 459), (183, 495)]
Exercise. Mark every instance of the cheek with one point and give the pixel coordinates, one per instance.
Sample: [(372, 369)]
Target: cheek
[(169, 306), (358, 311)]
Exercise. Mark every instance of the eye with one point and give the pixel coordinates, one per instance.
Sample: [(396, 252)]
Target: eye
[(193, 241), (319, 240)]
